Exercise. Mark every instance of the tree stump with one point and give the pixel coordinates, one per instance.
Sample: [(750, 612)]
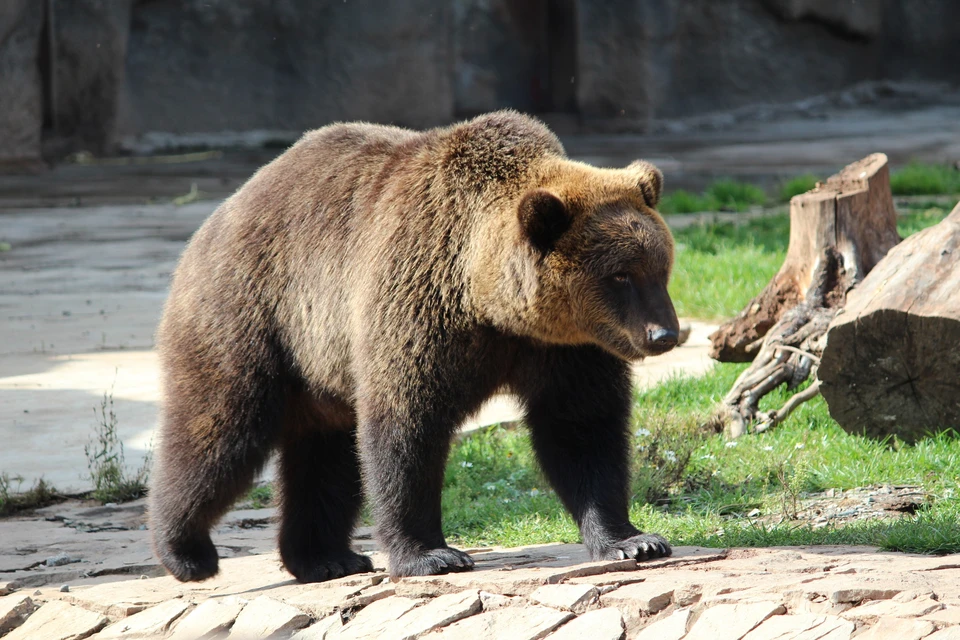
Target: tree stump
[(891, 364), (852, 213), (838, 232)]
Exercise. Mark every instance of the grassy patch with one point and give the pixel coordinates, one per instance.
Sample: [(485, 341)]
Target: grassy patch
[(736, 196), (13, 499), (722, 195), (918, 179), (682, 201), (720, 267), (697, 488), (112, 481), (798, 185), (259, 497)]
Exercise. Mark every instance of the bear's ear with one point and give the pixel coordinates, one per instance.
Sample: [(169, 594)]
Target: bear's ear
[(649, 179), (543, 218)]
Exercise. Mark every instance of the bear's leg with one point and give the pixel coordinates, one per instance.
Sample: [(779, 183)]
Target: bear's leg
[(578, 409), (404, 458), (213, 443), (321, 495)]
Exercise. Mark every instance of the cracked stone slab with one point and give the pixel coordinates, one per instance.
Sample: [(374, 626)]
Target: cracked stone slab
[(509, 623), (860, 593), (947, 633), (599, 624), (915, 608), (803, 627), (948, 615), (516, 572), (645, 598), (438, 612), (59, 621), (209, 618), (323, 598), (568, 597), (373, 621), (264, 617), (319, 629), (126, 597), (732, 621), (149, 623), (14, 610), (673, 627), (898, 629)]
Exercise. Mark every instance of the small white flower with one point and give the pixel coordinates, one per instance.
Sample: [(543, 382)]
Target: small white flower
[(670, 456), (799, 445), (506, 500), (466, 465), (768, 448), (731, 444), (534, 492), (708, 456), (642, 433)]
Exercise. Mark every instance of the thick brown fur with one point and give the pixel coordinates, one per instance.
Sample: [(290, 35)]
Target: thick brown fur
[(365, 292)]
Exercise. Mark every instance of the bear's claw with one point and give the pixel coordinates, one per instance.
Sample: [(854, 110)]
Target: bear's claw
[(645, 546)]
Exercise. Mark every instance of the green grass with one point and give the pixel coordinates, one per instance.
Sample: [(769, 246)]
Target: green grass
[(694, 488), (918, 179), (682, 201), (722, 195), (720, 267), (259, 497), (796, 186), (13, 499), (736, 196), (112, 480)]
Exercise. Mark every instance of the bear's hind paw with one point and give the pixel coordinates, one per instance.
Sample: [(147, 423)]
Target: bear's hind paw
[(432, 562)]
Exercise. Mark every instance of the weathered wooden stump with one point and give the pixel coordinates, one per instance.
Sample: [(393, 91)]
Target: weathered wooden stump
[(851, 213), (891, 364), (838, 232)]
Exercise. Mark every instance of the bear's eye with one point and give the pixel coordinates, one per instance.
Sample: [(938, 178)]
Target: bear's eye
[(621, 278)]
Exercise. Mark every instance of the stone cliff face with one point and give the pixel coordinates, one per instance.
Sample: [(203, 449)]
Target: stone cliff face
[(89, 72)]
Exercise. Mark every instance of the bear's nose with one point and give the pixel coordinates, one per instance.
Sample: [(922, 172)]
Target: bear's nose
[(663, 338)]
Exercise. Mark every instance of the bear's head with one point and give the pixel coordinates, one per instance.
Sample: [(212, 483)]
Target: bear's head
[(589, 261)]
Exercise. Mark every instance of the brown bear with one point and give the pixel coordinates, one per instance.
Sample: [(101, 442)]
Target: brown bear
[(365, 292)]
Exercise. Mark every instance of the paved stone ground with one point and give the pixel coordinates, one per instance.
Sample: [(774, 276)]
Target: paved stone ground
[(543, 591)]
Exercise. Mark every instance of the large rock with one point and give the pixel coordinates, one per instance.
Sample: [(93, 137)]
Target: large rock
[(21, 112), (195, 65), (87, 70), (646, 59)]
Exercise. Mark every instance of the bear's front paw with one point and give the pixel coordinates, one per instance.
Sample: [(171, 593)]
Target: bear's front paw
[(329, 567), (431, 562), (644, 546)]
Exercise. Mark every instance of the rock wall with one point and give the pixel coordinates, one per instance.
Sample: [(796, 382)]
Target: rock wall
[(89, 72), (21, 113), (215, 65)]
